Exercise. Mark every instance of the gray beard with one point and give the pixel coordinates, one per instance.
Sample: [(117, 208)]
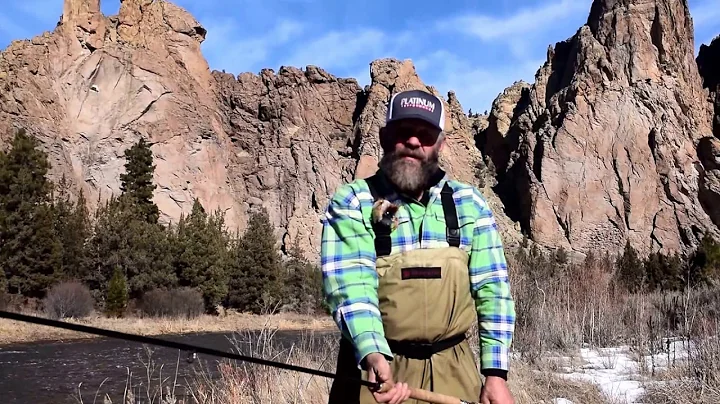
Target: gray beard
[(409, 177)]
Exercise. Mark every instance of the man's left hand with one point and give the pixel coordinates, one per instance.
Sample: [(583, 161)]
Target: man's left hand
[(495, 391)]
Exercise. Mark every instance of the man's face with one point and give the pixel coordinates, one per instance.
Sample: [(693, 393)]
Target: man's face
[(411, 150)]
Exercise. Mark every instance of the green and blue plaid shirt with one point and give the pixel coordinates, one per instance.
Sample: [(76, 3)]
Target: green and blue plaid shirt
[(348, 264)]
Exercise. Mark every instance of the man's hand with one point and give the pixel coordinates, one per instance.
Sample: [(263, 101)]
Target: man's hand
[(495, 391), (379, 370)]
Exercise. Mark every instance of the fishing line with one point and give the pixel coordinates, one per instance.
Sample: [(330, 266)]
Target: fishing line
[(175, 345)]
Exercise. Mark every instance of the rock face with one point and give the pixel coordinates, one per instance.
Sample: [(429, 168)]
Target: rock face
[(284, 140), (602, 147), (96, 85), (291, 137), (708, 61), (612, 142)]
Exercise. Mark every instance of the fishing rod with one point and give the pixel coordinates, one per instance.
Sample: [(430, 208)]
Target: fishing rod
[(418, 394)]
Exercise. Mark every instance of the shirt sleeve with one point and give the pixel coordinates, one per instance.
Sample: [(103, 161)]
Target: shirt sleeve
[(491, 291), (349, 278)]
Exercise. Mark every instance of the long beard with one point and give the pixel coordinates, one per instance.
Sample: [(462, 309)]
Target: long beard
[(410, 177)]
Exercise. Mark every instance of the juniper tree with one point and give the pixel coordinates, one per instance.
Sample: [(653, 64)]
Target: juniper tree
[(630, 269), (254, 266), (303, 285), (137, 181), (30, 251), (200, 254), (121, 240), (72, 225), (704, 266), (117, 294)]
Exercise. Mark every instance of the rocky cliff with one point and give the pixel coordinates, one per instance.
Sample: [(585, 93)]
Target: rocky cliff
[(708, 61), (610, 142), (603, 147), (284, 140)]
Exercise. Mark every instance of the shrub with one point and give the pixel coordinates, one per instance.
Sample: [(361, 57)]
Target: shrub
[(117, 295), (68, 299), (182, 302)]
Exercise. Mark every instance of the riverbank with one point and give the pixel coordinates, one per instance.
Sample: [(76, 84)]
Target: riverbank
[(19, 332)]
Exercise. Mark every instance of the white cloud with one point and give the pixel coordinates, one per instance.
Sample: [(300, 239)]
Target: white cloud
[(339, 49), (525, 21), (227, 49)]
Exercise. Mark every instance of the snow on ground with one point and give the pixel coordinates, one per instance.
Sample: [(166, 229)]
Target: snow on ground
[(617, 371)]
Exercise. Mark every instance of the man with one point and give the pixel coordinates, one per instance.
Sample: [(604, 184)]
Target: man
[(410, 260)]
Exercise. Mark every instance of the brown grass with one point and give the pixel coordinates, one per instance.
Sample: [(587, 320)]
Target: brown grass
[(255, 384), (532, 384), (561, 307), (15, 332), (695, 380)]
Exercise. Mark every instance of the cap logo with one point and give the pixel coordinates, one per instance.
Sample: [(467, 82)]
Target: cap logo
[(417, 102)]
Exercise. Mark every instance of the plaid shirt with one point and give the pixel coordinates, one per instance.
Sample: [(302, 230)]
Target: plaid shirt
[(348, 264)]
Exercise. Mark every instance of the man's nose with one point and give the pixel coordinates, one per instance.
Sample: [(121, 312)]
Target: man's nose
[(413, 141)]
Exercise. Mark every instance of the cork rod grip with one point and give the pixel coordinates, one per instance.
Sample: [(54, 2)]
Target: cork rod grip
[(426, 396)]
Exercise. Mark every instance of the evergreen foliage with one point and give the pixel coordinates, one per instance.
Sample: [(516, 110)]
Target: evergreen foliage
[(72, 225), (254, 267), (30, 251), (137, 181), (630, 269), (303, 285), (117, 294), (123, 255), (200, 254)]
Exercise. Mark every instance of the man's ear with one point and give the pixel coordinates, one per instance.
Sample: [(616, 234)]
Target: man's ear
[(383, 136), (441, 141)]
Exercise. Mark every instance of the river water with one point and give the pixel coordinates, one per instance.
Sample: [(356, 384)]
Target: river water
[(61, 372)]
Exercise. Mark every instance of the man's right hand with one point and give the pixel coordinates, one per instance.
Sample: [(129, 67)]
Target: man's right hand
[(379, 370)]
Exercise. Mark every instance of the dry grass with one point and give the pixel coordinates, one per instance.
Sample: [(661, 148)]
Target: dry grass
[(533, 384), (695, 380), (237, 382), (560, 308), (14, 331)]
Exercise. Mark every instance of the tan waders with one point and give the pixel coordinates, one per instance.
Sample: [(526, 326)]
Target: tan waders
[(426, 308)]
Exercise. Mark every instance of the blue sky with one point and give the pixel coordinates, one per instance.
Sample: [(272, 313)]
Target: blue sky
[(463, 45)]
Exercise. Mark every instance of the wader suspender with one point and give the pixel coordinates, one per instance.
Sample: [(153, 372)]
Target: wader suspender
[(383, 246), (383, 243)]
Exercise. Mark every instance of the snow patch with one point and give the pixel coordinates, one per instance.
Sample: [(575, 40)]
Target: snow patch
[(618, 371)]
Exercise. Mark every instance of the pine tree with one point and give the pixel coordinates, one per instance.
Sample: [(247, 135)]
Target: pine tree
[(254, 267), (117, 294), (201, 254), (663, 272), (121, 240), (137, 181), (630, 270), (30, 251), (72, 224), (705, 262), (303, 287)]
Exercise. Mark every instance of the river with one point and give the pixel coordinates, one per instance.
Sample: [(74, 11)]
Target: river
[(58, 372)]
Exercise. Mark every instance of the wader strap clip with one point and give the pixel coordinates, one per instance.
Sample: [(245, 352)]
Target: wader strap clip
[(452, 232), (423, 350), (383, 242)]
